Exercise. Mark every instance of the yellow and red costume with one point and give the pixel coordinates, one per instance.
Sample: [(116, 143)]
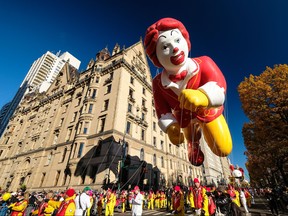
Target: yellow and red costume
[(234, 194), (67, 207), (18, 208), (150, 200), (110, 203), (199, 199), (157, 199), (178, 201), (162, 199)]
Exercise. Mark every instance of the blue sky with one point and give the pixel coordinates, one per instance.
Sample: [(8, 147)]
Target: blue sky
[(242, 37)]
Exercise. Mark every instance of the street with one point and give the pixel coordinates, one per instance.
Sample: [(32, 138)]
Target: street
[(260, 208)]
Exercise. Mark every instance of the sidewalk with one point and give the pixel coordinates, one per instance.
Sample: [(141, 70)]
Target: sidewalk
[(261, 208)]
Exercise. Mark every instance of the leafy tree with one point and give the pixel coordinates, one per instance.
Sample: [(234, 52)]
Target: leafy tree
[(264, 100)]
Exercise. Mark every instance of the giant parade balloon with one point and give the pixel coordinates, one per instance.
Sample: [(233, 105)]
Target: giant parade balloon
[(189, 93)]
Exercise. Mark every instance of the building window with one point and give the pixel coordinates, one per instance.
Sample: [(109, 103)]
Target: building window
[(80, 151), (170, 148), (154, 142), (69, 132), (79, 102), (97, 80), (57, 177), (129, 108), (154, 113), (171, 164), (56, 138), (143, 91), (128, 127), (86, 126), (143, 134), (79, 128), (162, 162), (74, 151), (143, 116), (49, 159), (65, 109), (161, 144), (42, 179), (73, 117), (154, 160), (102, 124), (106, 104), (108, 89), (90, 108), (131, 92), (142, 154), (94, 92), (1, 152), (61, 122), (132, 80), (63, 155), (143, 102), (154, 126)]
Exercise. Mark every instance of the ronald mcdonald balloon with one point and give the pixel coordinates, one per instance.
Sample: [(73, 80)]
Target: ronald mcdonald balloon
[(189, 93)]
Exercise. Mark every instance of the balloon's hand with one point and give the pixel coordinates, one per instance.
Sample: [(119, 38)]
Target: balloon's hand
[(174, 134), (191, 99)]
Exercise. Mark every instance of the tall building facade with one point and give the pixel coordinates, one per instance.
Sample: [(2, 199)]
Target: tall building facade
[(96, 128), (39, 77)]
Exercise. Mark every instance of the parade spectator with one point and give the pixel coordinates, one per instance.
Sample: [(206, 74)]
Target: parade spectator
[(100, 204), (4, 204), (169, 205), (83, 202), (32, 203), (18, 208), (272, 201), (222, 200), (93, 210), (211, 202), (137, 202), (67, 206), (178, 201), (42, 204)]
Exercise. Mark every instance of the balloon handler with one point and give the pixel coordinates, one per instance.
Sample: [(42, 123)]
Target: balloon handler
[(189, 93)]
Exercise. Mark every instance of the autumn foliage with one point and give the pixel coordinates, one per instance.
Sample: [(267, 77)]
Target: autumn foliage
[(265, 102)]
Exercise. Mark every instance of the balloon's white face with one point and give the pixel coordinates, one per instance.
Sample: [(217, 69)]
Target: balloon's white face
[(237, 173), (171, 49)]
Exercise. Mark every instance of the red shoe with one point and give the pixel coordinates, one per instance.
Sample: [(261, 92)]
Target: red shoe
[(195, 155)]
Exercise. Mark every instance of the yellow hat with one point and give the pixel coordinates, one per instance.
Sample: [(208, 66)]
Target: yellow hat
[(6, 196)]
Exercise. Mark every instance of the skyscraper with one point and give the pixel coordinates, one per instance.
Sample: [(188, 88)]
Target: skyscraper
[(39, 77)]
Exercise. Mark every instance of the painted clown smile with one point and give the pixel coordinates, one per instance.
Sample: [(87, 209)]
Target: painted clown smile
[(178, 59)]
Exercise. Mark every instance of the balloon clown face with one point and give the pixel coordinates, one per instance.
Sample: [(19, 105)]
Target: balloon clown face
[(172, 50), (189, 93)]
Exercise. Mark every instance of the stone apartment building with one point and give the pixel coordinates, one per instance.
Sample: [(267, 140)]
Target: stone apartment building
[(97, 127)]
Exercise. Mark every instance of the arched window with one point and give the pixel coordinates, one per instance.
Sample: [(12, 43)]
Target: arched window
[(142, 154)]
